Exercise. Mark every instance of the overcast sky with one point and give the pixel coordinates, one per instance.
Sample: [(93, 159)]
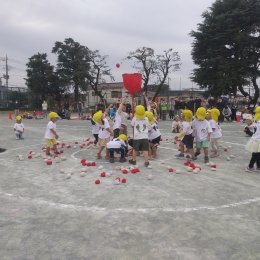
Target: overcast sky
[(114, 27)]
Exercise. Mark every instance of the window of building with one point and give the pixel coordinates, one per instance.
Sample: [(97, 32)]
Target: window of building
[(116, 94)]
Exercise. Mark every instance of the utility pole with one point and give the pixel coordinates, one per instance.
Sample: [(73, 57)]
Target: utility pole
[(6, 76)]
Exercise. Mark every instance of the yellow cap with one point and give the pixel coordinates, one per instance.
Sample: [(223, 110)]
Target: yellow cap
[(18, 118), (257, 109), (140, 112), (122, 137), (150, 117), (257, 113), (187, 114), (215, 113), (97, 117), (201, 113), (53, 115)]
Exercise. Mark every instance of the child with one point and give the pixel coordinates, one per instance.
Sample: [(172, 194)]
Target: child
[(51, 135), (201, 131), (141, 127), (213, 115), (154, 135), (19, 128), (104, 132), (118, 145), (253, 145), (176, 125), (186, 134), (249, 128), (94, 130)]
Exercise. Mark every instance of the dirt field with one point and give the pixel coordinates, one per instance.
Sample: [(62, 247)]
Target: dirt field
[(45, 214)]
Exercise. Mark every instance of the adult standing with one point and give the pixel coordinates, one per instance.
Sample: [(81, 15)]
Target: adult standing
[(44, 109), (79, 108), (171, 108)]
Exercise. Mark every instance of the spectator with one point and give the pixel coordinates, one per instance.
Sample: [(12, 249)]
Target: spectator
[(44, 109), (226, 112)]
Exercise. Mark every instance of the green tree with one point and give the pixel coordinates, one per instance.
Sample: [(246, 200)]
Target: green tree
[(226, 47), (39, 74), (73, 64)]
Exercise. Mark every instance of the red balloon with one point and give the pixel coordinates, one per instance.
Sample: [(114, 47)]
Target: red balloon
[(132, 82), (118, 65)]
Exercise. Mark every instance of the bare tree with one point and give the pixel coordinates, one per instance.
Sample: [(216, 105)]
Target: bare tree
[(98, 72), (166, 63), (144, 62)]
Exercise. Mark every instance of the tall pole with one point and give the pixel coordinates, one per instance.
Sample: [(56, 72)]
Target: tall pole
[(6, 71)]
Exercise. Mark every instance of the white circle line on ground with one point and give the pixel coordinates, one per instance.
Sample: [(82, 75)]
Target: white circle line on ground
[(127, 210)]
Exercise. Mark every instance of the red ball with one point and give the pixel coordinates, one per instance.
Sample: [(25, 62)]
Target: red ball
[(118, 65), (97, 182), (61, 151), (102, 174), (93, 164), (29, 157), (170, 169), (49, 162), (83, 161), (124, 180), (213, 166), (124, 171)]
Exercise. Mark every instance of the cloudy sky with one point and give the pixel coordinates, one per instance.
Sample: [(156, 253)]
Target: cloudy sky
[(114, 27)]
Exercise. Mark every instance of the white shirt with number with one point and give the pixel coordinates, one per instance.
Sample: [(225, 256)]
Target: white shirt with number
[(154, 132), (202, 129), (117, 121), (19, 127), (48, 133), (116, 143), (216, 130), (103, 133), (141, 128)]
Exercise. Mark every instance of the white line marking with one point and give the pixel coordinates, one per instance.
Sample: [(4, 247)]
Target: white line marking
[(127, 210)]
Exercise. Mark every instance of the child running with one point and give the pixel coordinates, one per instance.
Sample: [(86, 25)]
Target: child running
[(19, 128), (253, 144), (213, 115), (51, 135), (201, 131), (186, 134), (104, 132)]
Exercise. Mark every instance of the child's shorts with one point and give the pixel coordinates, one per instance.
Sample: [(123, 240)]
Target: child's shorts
[(103, 142), (51, 142), (156, 140), (188, 141), (202, 144), (141, 145)]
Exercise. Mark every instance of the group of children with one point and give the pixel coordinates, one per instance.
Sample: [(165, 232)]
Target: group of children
[(203, 128)]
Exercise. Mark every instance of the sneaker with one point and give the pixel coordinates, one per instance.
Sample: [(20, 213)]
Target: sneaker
[(197, 153), (122, 160), (206, 160), (250, 169), (132, 162), (147, 165), (112, 160), (179, 155)]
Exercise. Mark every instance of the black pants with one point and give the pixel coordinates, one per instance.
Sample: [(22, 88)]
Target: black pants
[(122, 150), (254, 159), (96, 138), (171, 114)]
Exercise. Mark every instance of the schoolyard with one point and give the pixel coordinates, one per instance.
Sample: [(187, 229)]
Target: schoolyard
[(58, 212)]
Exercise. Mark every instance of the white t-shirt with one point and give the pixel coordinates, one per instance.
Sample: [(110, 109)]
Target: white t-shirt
[(94, 128), (141, 128), (103, 133), (176, 124), (154, 132), (216, 130), (44, 106), (202, 129), (256, 131), (18, 127), (186, 127), (116, 143), (48, 132), (117, 121)]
